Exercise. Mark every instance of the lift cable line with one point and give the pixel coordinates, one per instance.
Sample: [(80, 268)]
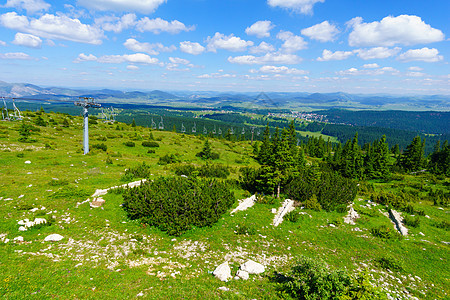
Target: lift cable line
[(194, 129), (153, 124), (86, 102), (183, 129), (161, 124)]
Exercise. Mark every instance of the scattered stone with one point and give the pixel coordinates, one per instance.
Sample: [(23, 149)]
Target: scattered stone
[(22, 228), (53, 238), (7, 199), (440, 208), (332, 225), (27, 162), (242, 274), (21, 196), (252, 267), (351, 217), (420, 233), (97, 202), (244, 204), (224, 288), (397, 220), (140, 294), (274, 210), (18, 239), (446, 243), (287, 206), (223, 272), (356, 229)]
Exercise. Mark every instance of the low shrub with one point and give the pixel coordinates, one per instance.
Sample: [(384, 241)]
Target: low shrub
[(129, 144), (151, 144), (388, 262), (167, 159), (177, 204), (100, 146), (151, 151), (207, 170), (385, 232), (443, 225), (245, 229), (265, 199), (411, 221), (139, 171), (292, 216), (313, 279), (57, 182)]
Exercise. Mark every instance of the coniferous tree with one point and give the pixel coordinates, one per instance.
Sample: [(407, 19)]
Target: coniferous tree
[(412, 159), (440, 159)]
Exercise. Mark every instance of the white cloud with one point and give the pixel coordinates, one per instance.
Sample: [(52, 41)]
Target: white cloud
[(83, 57), (370, 72), (390, 31), (132, 67), (292, 42), (15, 55), (269, 58), (27, 40), (323, 32), (31, 6), (260, 29), (191, 48), (152, 49), (142, 6), (159, 25), (338, 55), (2, 43), (53, 27), (415, 68), (216, 75), (415, 74), (230, 43), (371, 66), (263, 47), (425, 54), (281, 70), (376, 53), (115, 24), (179, 61), (302, 6), (130, 58)]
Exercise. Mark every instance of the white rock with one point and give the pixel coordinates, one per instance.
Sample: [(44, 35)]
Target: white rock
[(421, 233), (397, 219), (22, 228), (34, 209), (21, 196), (287, 206), (274, 210), (18, 239), (53, 238), (244, 204), (224, 288), (331, 225), (6, 241), (242, 274), (223, 272), (140, 294), (252, 267), (351, 216), (28, 162)]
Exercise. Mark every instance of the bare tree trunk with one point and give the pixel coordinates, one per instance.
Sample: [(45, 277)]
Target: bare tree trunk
[(278, 190)]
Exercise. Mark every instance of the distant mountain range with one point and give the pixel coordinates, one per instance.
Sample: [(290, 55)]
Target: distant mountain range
[(290, 100)]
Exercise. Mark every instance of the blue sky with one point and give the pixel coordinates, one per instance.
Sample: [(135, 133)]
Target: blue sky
[(396, 47)]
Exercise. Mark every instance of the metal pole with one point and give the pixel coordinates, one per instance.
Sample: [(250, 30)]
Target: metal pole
[(86, 130)]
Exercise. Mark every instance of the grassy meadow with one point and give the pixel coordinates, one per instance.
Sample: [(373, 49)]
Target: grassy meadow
[(104, 255)]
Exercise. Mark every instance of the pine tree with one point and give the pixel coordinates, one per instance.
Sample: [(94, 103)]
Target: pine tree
[(412, 159), (133, 124)]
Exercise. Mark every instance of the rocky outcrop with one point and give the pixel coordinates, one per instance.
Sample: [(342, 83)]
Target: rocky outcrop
[(397, 219), (223, 272), (245, 204), (287, 206), (352, 216), (252, 267), (53, 238)]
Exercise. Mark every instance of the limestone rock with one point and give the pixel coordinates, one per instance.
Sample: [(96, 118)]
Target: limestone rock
[(242, 274), (53, 238), (252, 267), (18, 239), (223, 272), (223, 288), (22, 228), (27, 162), (397, 219), (97, 202), (351, 216), (245, 204), (287, 206)]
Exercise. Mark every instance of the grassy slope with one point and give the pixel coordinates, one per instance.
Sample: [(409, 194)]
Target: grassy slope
[(104, 255)]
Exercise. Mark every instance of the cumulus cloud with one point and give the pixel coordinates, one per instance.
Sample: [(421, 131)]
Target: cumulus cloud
[(323, 32), (230, 43), (152, 49), (281, 70), (83, 57), (390, 31), (370, 72), (179, 61), (132, 67), (159, 25), (269, 58), (2, 43), (31, 6), (27, 40), (263, 47), (415, 74), (371, 66), (53, 27), (292, 42), (425, 54), (15, 55), (338, 55), (260, 29), (301, 6), (142, 6), (415, 69), (140, 58), (115, 24), (377, 52), (191, 48)]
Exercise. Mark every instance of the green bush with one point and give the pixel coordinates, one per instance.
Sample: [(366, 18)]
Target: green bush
[(207, 170), (411, 221), (139, 171), (129, 144), (313, 279), (100, 146), (167, 159), (385, 232), (312, 203), (245, 229), (265, 199), (151, 151), (443, 225), (388, 262), (151, 144), (177, 204), (292, 216)]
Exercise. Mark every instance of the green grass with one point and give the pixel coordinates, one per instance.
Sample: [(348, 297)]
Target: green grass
[(120, 258)]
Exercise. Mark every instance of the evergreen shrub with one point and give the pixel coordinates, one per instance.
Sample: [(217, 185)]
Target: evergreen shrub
[(207, 170), (177, 204), (167, 159), (100, 146), (139, 171), (129, 144), (151, 144)]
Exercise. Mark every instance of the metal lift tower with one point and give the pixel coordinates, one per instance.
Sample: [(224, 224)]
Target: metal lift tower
[(86, 102)]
